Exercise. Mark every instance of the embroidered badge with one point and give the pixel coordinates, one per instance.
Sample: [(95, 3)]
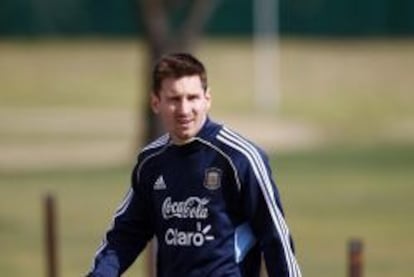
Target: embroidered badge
[(212, 178)]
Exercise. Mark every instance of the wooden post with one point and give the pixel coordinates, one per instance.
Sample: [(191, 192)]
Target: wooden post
[(50, 236), (355, 248), (263, 272), (152, 258)]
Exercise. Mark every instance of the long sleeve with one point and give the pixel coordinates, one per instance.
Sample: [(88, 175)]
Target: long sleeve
[(264, 210), (130, 231)]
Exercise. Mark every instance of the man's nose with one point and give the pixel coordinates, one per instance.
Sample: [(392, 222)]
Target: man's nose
[(184, 106)]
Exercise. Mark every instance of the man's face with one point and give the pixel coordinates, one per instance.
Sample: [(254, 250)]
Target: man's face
[(182, 105)]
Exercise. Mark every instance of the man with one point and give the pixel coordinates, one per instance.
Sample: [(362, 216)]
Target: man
[(202, 190)]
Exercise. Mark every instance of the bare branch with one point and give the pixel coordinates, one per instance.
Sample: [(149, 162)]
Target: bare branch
[(174, 4), (199, 13), (155, 21)]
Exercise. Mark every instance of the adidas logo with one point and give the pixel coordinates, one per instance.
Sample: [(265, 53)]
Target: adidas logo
[(159, 183)]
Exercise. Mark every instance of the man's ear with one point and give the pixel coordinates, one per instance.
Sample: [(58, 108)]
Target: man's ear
[(155, 103), (208, 97)]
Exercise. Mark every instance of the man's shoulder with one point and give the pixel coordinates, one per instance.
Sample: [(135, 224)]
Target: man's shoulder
[(238, 146), (154, 146)]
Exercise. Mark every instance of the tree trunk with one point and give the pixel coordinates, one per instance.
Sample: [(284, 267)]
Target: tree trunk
[(161, 39)]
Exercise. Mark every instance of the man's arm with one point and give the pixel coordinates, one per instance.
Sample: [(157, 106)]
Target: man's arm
[(130, 231), (263, 207)]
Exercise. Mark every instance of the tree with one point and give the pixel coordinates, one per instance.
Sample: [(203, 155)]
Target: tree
[(171, 25)]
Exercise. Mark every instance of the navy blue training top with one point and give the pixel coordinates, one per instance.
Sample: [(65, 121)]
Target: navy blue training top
[(212, 206)]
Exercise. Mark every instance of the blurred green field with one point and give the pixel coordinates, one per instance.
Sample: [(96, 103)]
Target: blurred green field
[(70, 118)]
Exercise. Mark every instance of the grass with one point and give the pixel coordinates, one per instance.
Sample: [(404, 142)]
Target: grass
[(84, 209), (336, 194), (330, 196), (67, 111)]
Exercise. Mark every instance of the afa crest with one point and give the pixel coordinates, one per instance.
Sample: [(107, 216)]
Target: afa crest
[(212, 178)]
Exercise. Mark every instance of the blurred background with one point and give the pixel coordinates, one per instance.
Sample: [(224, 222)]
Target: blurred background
[(325, 86)]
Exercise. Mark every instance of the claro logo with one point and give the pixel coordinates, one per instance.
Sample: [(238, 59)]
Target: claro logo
[(193, 207), (176, 237)]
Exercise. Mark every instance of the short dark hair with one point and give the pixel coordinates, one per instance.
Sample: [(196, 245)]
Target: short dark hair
[(177, 65)]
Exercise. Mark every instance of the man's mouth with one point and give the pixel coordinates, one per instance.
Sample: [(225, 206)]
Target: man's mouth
[(184, 121)]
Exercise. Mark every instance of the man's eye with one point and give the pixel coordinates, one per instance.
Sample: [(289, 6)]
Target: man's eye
[(174, 99)]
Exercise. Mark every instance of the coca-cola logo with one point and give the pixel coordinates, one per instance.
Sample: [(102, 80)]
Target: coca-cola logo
[(192, 207)]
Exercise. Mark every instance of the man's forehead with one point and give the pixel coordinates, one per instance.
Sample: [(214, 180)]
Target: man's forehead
[(183, 84)]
